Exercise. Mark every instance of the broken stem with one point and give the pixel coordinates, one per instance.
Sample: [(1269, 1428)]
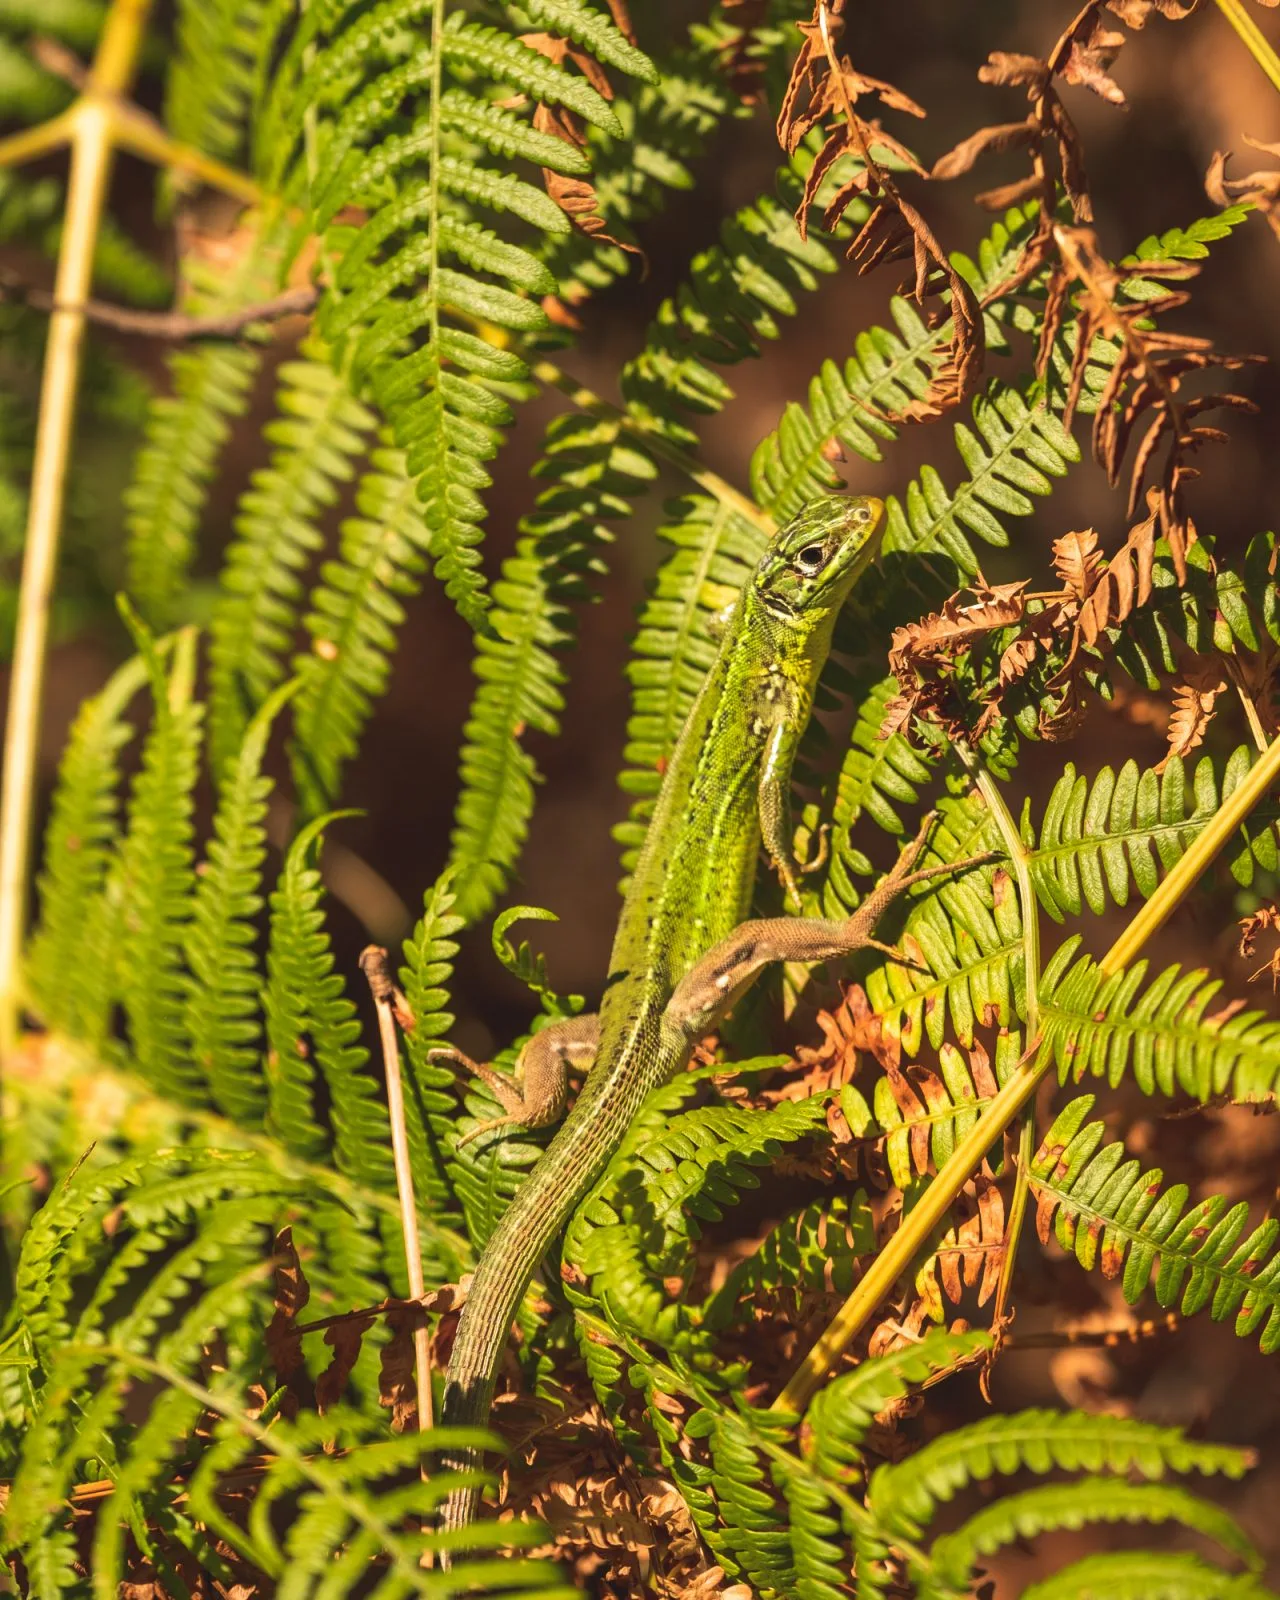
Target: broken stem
[(391, 1005)]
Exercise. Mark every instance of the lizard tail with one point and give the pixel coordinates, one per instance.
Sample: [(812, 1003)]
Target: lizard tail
[(542, 1206)]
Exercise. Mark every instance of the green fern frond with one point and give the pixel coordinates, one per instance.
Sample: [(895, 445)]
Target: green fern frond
[(356, 614), (412, 283), (149, 895), (963, 943), (313, 1032), (321, 428), (1015, 450), (890, 369), (841, 1414), (519, 688), (666, 126), (187, 428), (674, 1171), (903, 1497), (431, 1106), (222, 1009), (1160, 1031), (1074, 1505), (814, 1251), (1146, 1575), (369, 1502), (65, 973), (1112, 1214), (214, 72), (736, 293), (137, 1303), (1099, 835)]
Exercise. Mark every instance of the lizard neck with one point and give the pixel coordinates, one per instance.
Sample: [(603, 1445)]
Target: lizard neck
[(694, 878)]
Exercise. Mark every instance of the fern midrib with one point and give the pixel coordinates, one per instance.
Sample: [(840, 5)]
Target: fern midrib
[(1045, 854), (316, 708), (806, 464), (1179, 1036), (1082, 1211), (967, 491), (1000, 955), (958, 1108)]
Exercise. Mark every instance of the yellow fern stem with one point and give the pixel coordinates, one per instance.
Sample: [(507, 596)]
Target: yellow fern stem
[(942, 1193), (91, 145)]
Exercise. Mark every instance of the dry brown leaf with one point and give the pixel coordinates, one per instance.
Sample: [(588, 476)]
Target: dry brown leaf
[(576, 197), (1137, 13), (1266, 919), (946, 633), (1077, 561), (1144, 383), (344, 1338), (1261, 188), (1002, 136), (823, 93), (973, 1251), (397, 1378), (1194, 702), (291, 1293)]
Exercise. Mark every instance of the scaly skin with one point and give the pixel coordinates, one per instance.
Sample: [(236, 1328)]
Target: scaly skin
[(726, 784)]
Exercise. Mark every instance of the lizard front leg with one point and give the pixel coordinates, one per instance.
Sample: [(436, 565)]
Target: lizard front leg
[(712, 985), (535, 1093)]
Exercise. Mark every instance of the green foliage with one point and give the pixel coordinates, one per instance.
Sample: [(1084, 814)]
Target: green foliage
[(676, 1170), (793, 1521), (313, 1033), (424, 160), (1111, 1214), (79, 844), (149, 898), (358, 82), (126, 1279), (321, 430), (222, 1001), (187, 429), (1116, 1024), (1099, 835), (357, 611)]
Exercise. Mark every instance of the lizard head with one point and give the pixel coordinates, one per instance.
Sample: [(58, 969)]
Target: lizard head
[(808, 570)]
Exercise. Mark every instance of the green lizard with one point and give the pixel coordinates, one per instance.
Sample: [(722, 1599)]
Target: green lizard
[(683, 953)]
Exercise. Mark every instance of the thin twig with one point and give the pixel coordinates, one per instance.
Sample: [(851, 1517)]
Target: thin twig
[(392, 1007), (173, 325), (89, 122)]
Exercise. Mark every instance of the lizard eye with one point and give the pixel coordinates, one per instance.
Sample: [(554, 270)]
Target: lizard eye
[(810, 558)]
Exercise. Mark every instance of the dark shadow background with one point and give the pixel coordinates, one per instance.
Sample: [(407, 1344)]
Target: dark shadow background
[(1192, 89)]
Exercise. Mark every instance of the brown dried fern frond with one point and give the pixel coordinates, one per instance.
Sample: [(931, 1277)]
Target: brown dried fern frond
[(1082, 56), (823, 92), (1144, 384)]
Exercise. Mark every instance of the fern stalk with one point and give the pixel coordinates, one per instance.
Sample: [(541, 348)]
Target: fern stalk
[(1253, 38), (1013, 1096), (89, 128), (1029, 907), (387, 999)]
